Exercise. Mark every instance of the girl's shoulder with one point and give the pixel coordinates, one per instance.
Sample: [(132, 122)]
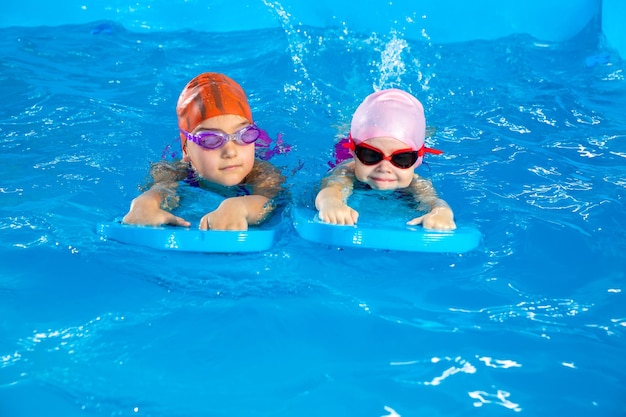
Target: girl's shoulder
[(262, 168), (344, 167)]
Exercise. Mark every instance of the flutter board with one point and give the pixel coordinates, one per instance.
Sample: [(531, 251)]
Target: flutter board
[(383, 233), (189, 239)]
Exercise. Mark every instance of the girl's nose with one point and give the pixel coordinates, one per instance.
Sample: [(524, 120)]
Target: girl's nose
[(384, 166), (229, 150)]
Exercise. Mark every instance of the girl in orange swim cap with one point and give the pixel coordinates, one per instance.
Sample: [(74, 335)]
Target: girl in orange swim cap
[(386, 143), (218, 138)]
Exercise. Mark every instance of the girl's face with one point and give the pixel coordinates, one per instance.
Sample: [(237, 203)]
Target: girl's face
[(384, 175), (228, 165)]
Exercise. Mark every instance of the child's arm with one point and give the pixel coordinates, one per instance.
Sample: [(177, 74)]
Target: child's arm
[(151, 207), (237, 213), (440, 215), (331, 201)]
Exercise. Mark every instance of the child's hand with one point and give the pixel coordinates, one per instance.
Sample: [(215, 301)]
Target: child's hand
[(145, 210), (232, 214), (438, 218), (338, 213)]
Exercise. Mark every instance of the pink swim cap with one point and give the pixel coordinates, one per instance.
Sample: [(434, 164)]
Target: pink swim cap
[(393, 113)]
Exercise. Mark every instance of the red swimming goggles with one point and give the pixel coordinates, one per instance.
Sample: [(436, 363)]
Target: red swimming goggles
[(402, 158)]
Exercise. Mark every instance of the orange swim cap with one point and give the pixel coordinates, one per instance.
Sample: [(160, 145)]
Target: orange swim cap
[(209, 95)]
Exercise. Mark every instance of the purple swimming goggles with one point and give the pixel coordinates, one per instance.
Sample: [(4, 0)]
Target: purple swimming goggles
[(215, 139)]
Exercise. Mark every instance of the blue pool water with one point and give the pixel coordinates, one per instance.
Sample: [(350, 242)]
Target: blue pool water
[(533, 322)]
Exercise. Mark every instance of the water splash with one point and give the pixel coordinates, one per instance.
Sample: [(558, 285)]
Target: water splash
[(298, 39), (392, 66)]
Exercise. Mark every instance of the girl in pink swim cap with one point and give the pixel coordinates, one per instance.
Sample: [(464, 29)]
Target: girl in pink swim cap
[(386, 143)]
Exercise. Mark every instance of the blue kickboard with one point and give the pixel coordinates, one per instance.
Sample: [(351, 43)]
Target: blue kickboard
[(189, 240), (391, 236)]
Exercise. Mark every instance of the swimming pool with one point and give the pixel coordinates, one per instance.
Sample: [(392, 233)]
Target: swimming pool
[(533, 322)]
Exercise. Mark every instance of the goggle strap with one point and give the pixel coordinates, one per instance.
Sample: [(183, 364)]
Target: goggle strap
[(349, 143), (424, 150)]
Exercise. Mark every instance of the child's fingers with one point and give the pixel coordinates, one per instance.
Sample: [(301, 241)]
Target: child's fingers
[(172, 220), (441, 225), (416, 221), (344, 218), (205, 222), (433, 222), (355, 215), (179, 221)]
